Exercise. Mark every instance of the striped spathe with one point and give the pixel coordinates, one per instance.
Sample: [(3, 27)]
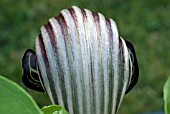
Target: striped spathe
[(83, 63)]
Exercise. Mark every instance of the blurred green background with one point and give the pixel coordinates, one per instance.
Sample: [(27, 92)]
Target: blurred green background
[(145, 23)]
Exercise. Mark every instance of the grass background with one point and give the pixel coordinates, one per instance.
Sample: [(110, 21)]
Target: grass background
[(145, 23)]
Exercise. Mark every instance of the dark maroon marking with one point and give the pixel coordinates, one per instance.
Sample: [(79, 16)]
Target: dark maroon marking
[(72, 12), (111, 79), (47, 67), (96, 19), (121, 64), (97, 23), (50, 32), (84, 15), (121, 49), (52, 36), (43, 52), (84, 19), (91, 78), (63, 22), (110, 33), (64, 29), (44, 55), (135, 74)]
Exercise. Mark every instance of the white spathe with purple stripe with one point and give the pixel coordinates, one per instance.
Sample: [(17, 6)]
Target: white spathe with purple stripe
[(86, 50)]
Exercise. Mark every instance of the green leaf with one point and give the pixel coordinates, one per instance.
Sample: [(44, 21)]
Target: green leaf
[(15, 100), (166, 92), (54, 109)]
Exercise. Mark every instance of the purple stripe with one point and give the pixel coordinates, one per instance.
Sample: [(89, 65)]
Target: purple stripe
[(47, 67), (72, 12), (51, 34), (121, 62), (74, 17), (98, 28), (91, 79), (64, 29), (111, 79)]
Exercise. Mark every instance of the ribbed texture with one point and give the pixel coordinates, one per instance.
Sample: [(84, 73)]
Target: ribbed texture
[(84, 63)]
